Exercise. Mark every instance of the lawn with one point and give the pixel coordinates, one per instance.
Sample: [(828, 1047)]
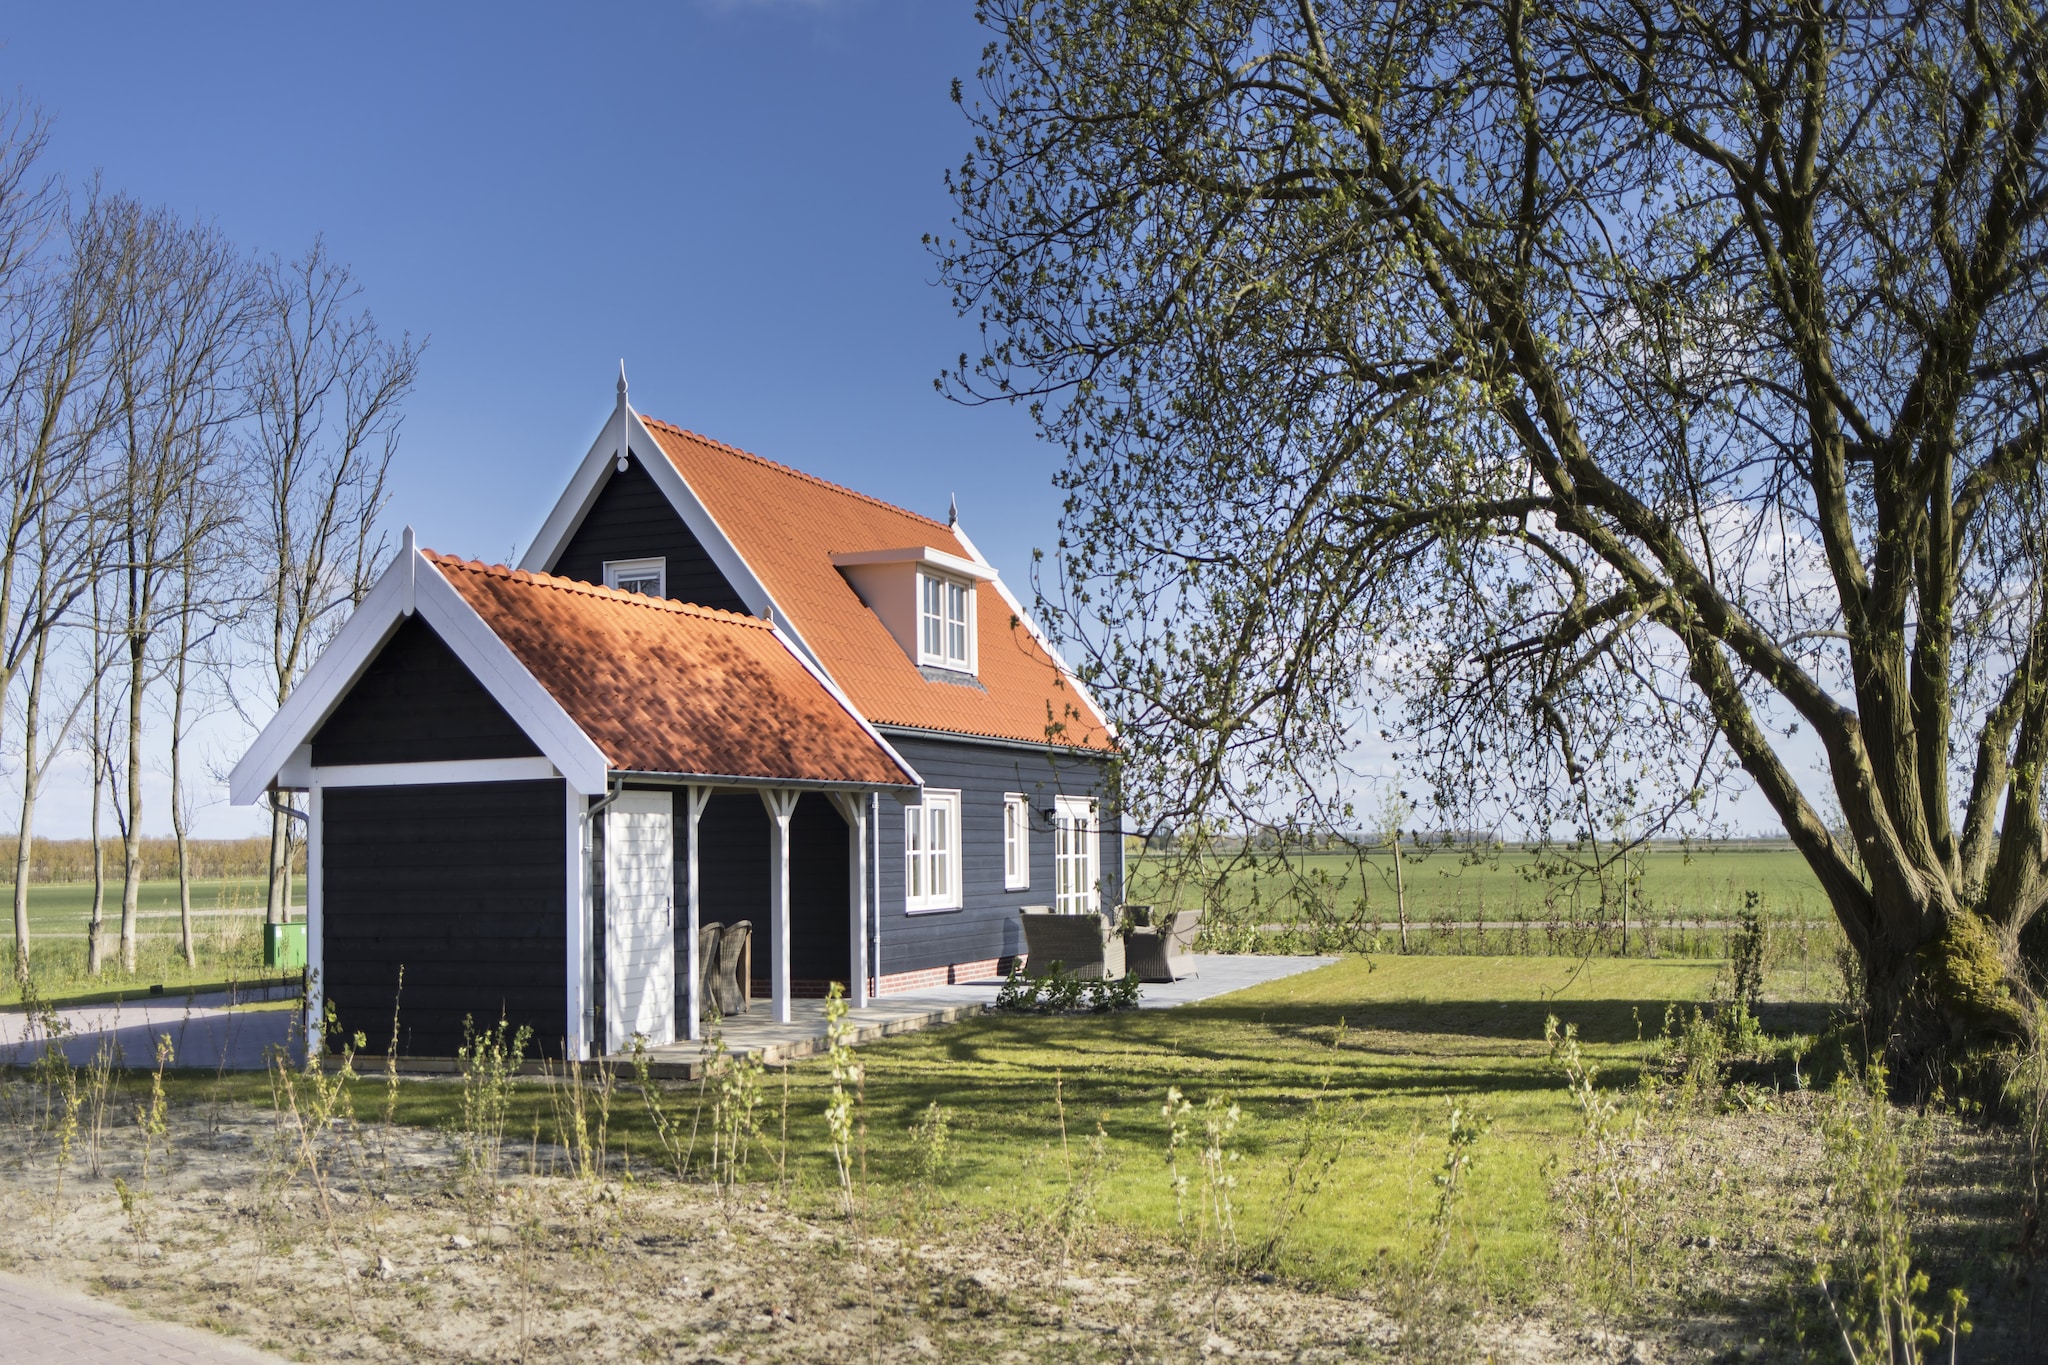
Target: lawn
[(1058, 1149), (1705, 883), (65, 907), (1386, 1045)]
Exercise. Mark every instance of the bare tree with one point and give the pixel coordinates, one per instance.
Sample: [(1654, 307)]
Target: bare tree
[(325, 389), (179, 326)]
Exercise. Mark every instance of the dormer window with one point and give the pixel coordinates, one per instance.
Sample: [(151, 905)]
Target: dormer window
[(926, 597), (648, 577), (947, 621)]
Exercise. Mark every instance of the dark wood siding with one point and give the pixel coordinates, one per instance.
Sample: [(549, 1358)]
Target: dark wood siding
[(417, 703), (461, 885), (733, 873), (633, 519), (987, 925)]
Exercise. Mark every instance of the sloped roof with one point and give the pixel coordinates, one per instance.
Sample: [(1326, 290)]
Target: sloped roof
[(662, 687), (787, 525)]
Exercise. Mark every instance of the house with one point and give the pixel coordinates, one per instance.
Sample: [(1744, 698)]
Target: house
[(715, 689)]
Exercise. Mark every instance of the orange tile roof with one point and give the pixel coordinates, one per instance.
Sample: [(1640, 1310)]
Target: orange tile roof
[(787, 525), (661, 687)]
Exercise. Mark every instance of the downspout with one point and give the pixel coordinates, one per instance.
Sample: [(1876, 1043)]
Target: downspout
[(875, 957), (594, 1006)]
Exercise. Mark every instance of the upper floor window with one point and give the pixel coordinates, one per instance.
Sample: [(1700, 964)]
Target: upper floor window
[(648, 577), (1016, 843), (931, 852), (946, 621)]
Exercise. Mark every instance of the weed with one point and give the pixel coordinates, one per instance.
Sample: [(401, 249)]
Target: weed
[(150, 1118), (1318, 1143), (1609, 1196), (846, 1080), (1867, 1235), (668, 1127), (488, 1060), (1453, 1178), (735, 1097)]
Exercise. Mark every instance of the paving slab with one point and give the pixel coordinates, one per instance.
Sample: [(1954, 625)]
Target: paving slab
[(208, 1031), (52, 1326)]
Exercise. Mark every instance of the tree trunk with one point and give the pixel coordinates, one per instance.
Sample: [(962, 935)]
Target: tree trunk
[(178, 776), (95, 929), (131, 836), (24, 845), (280, 865)]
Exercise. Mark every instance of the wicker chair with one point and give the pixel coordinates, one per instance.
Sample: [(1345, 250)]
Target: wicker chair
[(1085, 946), (707, 967), (727, 989), (1165, 951)]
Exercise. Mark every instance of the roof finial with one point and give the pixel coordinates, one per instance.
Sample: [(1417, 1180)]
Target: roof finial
[(622, 379), (952, 509)]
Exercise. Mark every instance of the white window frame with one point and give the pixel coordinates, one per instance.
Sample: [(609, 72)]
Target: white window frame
[(1016, 842), (949, 622), (619, 571), (931, 853), (1077, 855)]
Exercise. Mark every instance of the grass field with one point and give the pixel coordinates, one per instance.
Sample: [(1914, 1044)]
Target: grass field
[(227, 927), (1708, 882), (1343, 1083), (64, 907)]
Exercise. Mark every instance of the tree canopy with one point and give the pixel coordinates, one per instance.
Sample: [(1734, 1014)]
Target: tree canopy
[(1619, 395)]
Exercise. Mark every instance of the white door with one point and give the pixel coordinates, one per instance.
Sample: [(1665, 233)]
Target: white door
[(640, 920), (1075, 860)]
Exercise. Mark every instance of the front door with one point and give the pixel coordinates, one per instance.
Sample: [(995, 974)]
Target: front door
[(640, 921)]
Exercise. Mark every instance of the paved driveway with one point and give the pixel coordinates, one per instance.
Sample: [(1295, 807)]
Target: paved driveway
[(53, 1326), (205, 1031)]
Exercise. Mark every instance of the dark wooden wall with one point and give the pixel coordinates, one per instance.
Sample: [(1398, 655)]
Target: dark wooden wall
[(987, 925), (732, 883), (464, 887), (632, 519), (416, 703)]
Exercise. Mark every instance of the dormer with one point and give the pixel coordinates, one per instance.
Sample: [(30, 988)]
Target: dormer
[(926, 599)]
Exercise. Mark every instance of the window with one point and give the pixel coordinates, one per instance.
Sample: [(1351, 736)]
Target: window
[(946, 623), (1074, 843), (1016, 843), (931, 853), (648, 577)]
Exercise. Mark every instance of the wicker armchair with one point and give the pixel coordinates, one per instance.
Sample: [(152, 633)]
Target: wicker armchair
[(1085, 946), (1165, 951), (728, 991)]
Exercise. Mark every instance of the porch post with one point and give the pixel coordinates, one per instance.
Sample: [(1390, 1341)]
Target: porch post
[(699, 797), (781, 804), (853, 807), (316, 922)]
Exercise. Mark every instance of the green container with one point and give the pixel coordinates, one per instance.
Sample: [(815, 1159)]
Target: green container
[(284, 945)]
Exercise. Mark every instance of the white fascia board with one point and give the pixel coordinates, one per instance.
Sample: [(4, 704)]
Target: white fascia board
[(576, 499), (323, 687), (441, 773), (1044, 640), (532, 707), (825, 681), (977, 569)]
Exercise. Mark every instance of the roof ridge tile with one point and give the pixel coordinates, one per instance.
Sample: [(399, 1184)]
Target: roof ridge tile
[(602, 593), (781, 468)]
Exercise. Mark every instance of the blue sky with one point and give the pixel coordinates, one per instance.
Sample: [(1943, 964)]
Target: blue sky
[(730, 196)]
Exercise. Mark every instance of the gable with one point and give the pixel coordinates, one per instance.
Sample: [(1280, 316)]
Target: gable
[(417, 703), (632, 518)]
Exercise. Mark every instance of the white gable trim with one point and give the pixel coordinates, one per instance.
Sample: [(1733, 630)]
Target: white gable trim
[(494, 666), (626, 434), (1044, 641)]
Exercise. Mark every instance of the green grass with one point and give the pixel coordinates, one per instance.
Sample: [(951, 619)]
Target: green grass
[(1389, 1042), (1708, 883), (65, 907)]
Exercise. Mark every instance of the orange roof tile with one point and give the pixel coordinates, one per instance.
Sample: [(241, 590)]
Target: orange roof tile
[(787, 525), (662, 687)]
